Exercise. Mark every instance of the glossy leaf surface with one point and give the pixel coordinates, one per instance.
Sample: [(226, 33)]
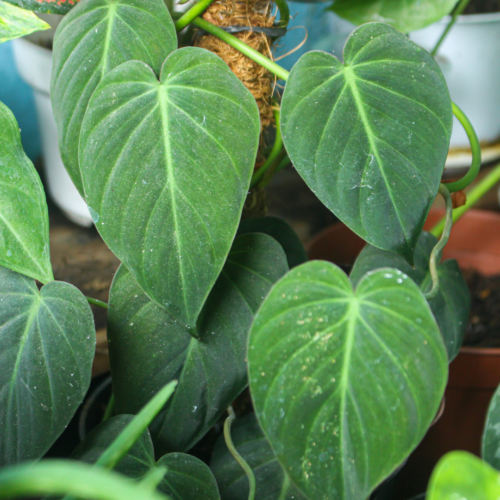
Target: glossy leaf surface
[(16, 22), (148, 349), (370, 137), (362, 371), (491, 433), (48, 6), (47, 343), (91, 40), (187, 478), (282, 232), (166, 168), (451, 307), (406, 16), (24, 219), (271, 481), (460, 475)]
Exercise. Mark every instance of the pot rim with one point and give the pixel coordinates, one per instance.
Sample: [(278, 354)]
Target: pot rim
[(480, 351), (491, 17), (25, 41)]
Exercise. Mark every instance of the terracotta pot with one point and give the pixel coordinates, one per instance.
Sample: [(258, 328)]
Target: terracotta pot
[(474, 374)]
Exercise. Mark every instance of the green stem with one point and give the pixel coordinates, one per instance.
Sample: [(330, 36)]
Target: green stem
[(473, 197), (229, 442), (245, 49), (284, 13), (109, 409), (195, 11), (476, 152), (436, 251), (277, 146), (153, 478), (122, 444), (460, 8), (97, 302), (273, 168), (58, 477)]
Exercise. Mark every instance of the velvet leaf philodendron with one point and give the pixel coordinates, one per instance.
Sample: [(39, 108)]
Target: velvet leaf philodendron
[(334, 379)]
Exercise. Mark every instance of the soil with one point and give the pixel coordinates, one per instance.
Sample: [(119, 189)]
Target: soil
[(482, 7), (483, 329)]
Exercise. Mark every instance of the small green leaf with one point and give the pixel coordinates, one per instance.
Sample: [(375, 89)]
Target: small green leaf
[(491, 434), (138, 460), (47, 345), (282, 233), (370, 137), (24, 219), (406, 16), (187, 478), (451, 307), (345, 383), (271, 481), (148, 348), (462, 476), (16, 22), (46, 6), (175, 160), (91, 40)]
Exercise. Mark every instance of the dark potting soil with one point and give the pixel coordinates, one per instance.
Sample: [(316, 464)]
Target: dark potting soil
[(482, 7), (483, 329)]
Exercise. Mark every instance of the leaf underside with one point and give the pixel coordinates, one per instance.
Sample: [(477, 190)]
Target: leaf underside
[(16, 22), (47, 345), (370, 137), (166, 168), (363, 372), (148, 348)]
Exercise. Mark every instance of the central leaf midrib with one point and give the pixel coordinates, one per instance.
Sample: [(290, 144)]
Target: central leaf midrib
[(351, 81), (107, 39), (163, 98)]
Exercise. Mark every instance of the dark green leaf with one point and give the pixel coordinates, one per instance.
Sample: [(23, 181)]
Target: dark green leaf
[(92, 39), (24, 219), (16, 22), (175, 164), (406, 16), (187, 478), (344, 383), (47, 343), (451, 307), (491, 434), (48, 6), (271, 481), (282, 233), (138, 460), (462, 476), (371, 137), (148, 348)]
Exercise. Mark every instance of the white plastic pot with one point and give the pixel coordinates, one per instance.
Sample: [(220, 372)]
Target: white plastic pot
[(34, 64), (470, 61)]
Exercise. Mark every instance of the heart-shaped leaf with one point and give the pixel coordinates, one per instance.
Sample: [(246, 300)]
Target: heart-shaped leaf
[(48, 6), (16, 22), (406, 16), (24, 219), (271, 481), (187, 477), (491, 434), (148, 348), (370, 137), (451, 306), (344, 383), (462, 476), (47, 343), (281, 232), (91, 40), (166, 168)]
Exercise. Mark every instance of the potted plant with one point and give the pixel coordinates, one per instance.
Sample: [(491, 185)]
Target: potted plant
[(170, 148)]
